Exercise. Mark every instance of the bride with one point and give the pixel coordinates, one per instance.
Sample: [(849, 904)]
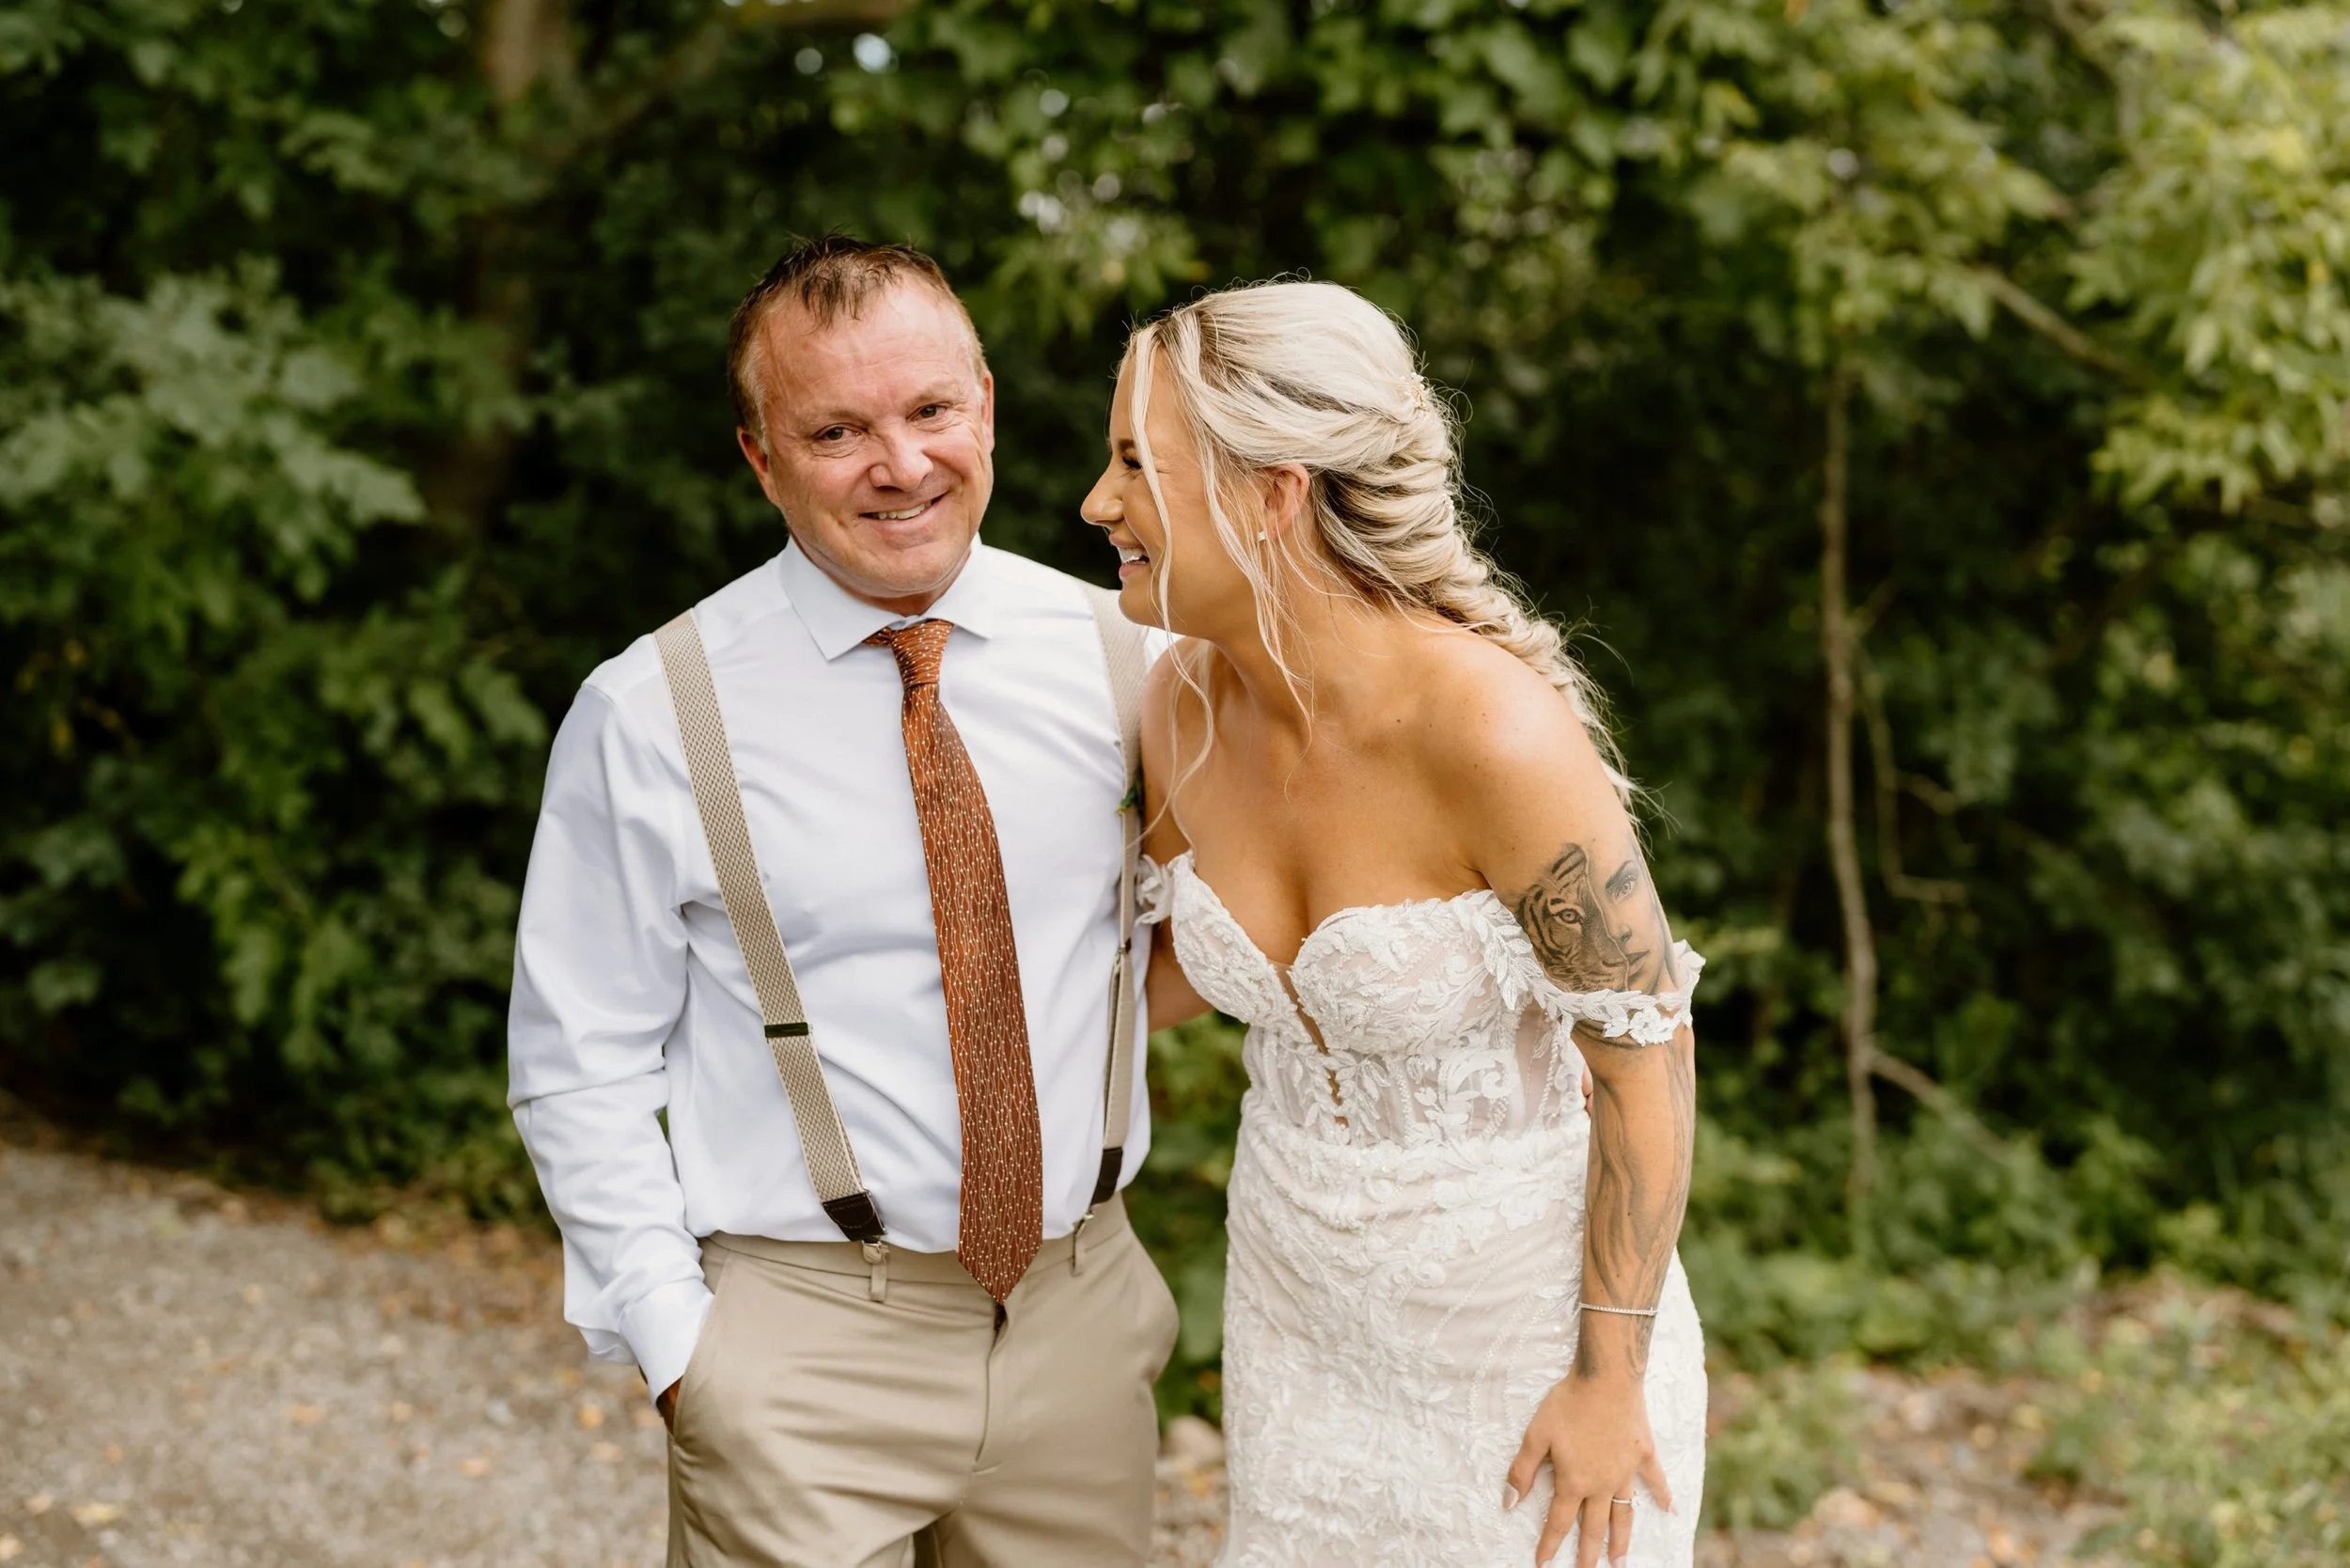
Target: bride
[(1391, 837)]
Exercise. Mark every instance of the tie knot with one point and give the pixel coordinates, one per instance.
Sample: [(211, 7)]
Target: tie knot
[(921, 650)]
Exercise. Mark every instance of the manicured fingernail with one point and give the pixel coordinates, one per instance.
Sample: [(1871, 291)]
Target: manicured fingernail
[(1509, 1498)]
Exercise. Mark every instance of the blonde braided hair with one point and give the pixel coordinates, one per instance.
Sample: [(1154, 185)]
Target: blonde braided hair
[(1316, 375)]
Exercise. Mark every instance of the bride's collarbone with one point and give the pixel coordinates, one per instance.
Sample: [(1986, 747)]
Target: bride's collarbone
[(1285, 848), (1333, 798)]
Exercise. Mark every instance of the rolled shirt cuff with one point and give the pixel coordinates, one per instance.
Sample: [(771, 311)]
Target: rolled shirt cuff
[(663, 1328)]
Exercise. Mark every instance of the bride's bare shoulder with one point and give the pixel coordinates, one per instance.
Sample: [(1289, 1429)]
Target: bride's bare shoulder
[(1482, 706), (1503, 746)]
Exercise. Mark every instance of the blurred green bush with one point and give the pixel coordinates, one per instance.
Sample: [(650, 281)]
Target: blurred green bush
[(1792, 1433), (1178, 1203), (2220, 1426)]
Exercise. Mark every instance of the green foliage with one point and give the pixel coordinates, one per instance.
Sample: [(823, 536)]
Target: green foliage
[(1965, 1248), (1783, 1439), (2211, 1429), (258, 766), (361, 388), (2224, 1434), (1178, 1206), (2220, 231)]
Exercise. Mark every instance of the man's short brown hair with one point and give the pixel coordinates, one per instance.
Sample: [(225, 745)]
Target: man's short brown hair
[(832, 276)]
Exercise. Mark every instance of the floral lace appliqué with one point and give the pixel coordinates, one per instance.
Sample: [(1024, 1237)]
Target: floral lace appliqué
[(1406, 1233)]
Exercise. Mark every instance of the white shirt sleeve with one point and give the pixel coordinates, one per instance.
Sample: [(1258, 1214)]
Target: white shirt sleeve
[(599, 978)]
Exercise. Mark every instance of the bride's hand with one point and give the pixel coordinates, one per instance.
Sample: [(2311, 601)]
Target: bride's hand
[(1595, 1434)]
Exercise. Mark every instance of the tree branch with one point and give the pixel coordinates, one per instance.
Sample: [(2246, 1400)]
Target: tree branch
[(1888, 779), (523, 42), (1860, 956), (2026, 309), (2081, 31), (1941, 1101)]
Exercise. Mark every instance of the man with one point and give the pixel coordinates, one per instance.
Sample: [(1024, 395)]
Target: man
[(883, 1291)]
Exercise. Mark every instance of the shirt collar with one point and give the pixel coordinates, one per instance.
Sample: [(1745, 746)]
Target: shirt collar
[(839, 620)]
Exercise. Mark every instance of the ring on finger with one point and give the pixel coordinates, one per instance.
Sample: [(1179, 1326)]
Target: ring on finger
[(1626, 1502)]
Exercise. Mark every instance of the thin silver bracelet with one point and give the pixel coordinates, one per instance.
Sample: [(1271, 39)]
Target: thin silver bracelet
[(1620, 1312)]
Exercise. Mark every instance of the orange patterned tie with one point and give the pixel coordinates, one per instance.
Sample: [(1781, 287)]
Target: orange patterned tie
[(987, 1025)]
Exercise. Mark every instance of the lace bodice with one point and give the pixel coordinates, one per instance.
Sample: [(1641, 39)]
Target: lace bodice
[(1408, 1023), (1405, 1229)]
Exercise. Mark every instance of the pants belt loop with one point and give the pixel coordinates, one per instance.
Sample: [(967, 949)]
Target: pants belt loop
[(1076, 1243), (877, 1256)]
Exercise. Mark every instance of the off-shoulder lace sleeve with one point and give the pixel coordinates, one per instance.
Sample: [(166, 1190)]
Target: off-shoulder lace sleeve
[(1154, 891), (1636, 1017)]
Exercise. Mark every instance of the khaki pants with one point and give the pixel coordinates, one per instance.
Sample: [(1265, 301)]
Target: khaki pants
[(820, 1428)]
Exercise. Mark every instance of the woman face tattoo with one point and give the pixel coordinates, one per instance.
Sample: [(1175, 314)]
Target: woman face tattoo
[(1586, 931)]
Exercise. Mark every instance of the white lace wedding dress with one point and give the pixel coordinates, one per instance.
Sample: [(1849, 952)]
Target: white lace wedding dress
[(1406, 1236)]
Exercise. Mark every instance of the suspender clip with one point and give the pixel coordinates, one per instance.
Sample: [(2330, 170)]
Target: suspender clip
[(1077, 1243), (877, 1259)]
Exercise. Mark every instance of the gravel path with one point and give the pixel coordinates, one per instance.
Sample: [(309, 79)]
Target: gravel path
[(194, 1377), (199, 1378), (189, 1376)]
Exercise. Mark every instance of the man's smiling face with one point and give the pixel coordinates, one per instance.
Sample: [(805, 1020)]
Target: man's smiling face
[(879, 442)]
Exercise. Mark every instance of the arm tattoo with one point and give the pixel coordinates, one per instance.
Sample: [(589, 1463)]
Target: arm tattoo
[(1596, 924), (1642, 1134), (1595, 933)]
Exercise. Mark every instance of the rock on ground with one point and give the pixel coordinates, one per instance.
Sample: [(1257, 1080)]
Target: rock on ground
[(191, 1376)]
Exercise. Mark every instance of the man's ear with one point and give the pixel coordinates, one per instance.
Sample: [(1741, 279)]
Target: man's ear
[(755, 453), (987, 411)]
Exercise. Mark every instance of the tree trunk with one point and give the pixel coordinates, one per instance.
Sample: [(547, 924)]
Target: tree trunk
[(525, 42), (525, 48), (1844, 845)]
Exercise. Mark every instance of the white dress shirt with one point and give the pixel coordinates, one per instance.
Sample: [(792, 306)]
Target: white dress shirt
[(631, 996)]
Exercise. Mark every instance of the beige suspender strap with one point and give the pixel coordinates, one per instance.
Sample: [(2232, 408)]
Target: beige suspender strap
[(718, 798), (1126, 652)]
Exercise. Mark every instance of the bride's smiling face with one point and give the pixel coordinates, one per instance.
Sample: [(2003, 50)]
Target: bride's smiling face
[(1207, 595)]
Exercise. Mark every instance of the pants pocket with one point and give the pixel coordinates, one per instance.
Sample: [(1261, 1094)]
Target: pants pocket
[(695, 1379), (1157, 1312)]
